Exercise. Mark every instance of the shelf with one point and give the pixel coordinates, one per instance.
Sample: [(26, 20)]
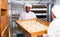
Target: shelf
[(35, 11), (15, 14), (39, 9), (40, 13), (41, 16), (39, 6)]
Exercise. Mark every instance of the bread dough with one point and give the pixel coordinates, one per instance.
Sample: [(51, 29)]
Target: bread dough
[(33, 26)]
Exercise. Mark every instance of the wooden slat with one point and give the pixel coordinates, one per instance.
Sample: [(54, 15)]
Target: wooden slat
[(4, 30)]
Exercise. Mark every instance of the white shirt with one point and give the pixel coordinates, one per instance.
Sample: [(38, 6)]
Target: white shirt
[(26, 15), (54, 28)]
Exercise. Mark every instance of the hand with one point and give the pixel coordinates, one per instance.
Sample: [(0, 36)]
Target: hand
[(53, 16), (45, 35), (40, 35)]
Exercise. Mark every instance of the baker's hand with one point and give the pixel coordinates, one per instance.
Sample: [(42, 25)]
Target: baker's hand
[(40, 35), (44, 35)]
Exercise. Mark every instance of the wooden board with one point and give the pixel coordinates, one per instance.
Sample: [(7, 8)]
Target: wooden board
[(33, 27)]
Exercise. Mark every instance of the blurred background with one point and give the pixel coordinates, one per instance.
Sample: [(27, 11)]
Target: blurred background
[(41, 8)]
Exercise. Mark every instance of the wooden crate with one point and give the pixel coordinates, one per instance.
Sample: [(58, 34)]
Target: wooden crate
[(4, 18), (32, 34)]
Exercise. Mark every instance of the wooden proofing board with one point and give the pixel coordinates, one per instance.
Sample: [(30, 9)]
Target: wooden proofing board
[(33, 27)]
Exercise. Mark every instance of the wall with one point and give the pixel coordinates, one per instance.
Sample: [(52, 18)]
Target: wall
[(15, 8)]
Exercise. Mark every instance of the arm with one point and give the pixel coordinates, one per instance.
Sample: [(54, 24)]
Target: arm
[(52, 15)]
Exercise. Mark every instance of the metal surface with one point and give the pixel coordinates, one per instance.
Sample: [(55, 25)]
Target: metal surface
[(49, 5)]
